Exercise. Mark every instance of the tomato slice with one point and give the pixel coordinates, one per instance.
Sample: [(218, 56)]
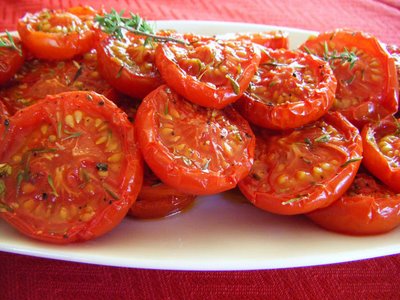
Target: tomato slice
[(289, 89), (70, 168), (267, 39), (366, 74), (394, 51), (128, 64), (58, 34), (367, 208), (39, 78), (208, 72), (158, 200), (298, 171), (194, 149), (11, 60), (381, 143)]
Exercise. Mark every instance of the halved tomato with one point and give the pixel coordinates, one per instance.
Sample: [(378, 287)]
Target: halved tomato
[(69, 167), (38, 78), (58, 34), (194, 149), (298, 171), (158, 200), (368, 207), (211, 73), (128, 64), (366, 74), (289, 89), (11, 60), (267, 39), (381, 143)]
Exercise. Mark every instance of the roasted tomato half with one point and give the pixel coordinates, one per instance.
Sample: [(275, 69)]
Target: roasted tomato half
[(365, 72), (194, 149), (70, 169), (11, 58), (58, 34), (368, 207), (211, 73), (158, 200), (39, 78), (381, 142), (298, 171), (128, 64), (267, 39), (289, 89)]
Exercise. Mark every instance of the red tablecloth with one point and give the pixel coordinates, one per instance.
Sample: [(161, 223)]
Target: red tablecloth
[(23, 277)]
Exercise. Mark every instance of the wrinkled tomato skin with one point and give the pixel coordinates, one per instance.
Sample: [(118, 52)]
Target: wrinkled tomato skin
[(136, 84), (200, 92), (225, 169), (311, 103), (10, 61), (385, 166), (299, 200), (367, 90), (58, 45), (360, 212), (112, 211)]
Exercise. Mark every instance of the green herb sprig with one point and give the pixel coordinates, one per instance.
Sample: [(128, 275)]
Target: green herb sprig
[(114, 23), (9, 43), (345, 56)]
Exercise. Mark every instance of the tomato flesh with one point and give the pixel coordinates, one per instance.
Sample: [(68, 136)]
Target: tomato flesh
[(367, 208), (58, 34), (304, 169), (71, 171), (10, 60), (210, 73), (38, 78), (366, 76), (381, 142), (194, 149), (290, 89)]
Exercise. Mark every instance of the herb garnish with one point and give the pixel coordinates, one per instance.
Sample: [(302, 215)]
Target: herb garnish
[(113, 23), (4, 43), (352, 160), (345, 56)]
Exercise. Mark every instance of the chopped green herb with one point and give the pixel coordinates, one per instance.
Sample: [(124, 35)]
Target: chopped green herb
[(5, 170), (2, 188), (234, 83), (51, 183), (351, 161), (110, 192), (9, 43), (298, 198), (323, 138), (102, 167), (71, 135)]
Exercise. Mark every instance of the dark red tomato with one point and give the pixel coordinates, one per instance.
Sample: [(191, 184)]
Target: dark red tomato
[(11, 60), (37, 79), (194, 149), (70, 168), (267, 39), (367, 208), (381, 142), (366, 74), (210, 73), (128, 105), (58, 34), (128, 64), (158, 200), (298, 171), (289, 89)]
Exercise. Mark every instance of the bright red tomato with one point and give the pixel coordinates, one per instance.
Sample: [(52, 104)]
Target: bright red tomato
[(211, 73), (366, 74), (267, 39), (70, 168), (194, 149), (289, 89), (298, 171), (128, 64), (58, 34), (158, 200), (368, 207), (11, 60), (381, 142), (37, 79)]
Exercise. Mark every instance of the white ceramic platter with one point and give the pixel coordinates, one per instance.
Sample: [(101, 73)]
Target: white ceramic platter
[(220, 232)]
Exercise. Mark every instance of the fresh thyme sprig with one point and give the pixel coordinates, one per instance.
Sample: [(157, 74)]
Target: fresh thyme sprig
[(345, 56), (9, 43), (114, 23)]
